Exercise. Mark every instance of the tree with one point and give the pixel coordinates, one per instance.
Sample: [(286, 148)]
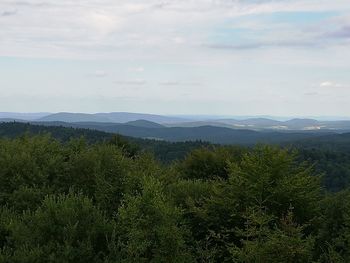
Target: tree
[(205, 163), (150, 227), (65, 228), (267, 180), (265, 241)]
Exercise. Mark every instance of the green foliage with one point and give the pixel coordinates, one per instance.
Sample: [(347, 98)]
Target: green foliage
[(267, 180), (270, 177), (205, 163), (64, 228), (334, 163), (334, 234), (129, 149), (151, 228), (284, 242), (77, 201), (64, 134), (28, 162)]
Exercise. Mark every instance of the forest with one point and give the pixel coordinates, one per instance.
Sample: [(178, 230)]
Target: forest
[(75, 195)]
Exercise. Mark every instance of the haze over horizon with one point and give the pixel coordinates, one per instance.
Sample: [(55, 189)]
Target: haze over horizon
[(207, 57)]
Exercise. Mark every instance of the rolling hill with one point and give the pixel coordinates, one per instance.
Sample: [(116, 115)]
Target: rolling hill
[(259, 124), (159, 121), (113, 117), (218, 135)]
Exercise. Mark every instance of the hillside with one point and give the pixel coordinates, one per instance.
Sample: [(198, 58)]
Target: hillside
[(338, 142), (269, 124), (144, 124), (113, 117), (218, 135), (23, 116), (329, 153), (151, 121), (16, 129), (73, 117)]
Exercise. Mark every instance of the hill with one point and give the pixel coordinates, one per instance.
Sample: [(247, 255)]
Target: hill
[(23, 116), (216, 135), (144, 124), (73, 117), (334, 142), (164, 151), (113, 117), (16, 129), (141, 120), (329, 153)]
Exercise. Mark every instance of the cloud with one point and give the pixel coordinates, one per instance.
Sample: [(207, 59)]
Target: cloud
[(258, 45), (311, 93), (114, 28), (100, 74), (178, 83), (330, 84), (138, 82), (103, 23), (137, 69), (8, 13), (344, 32), (169, 83), (30, 3)]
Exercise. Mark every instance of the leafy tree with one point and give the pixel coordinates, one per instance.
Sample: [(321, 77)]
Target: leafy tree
[(334, 233), (150, 227), (130, 149), (28, 163), (81, 200), (267, 178), (283, 242), (206, 163), (65, 228)]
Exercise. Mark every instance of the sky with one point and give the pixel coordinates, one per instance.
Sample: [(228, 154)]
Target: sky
[(217, 57)]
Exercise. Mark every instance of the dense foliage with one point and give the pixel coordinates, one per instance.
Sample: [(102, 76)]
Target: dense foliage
[(330, 154), (76, 201)]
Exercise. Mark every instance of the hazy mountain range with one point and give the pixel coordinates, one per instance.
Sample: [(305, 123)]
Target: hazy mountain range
[(183, 121), (113, 117), (170, 128)]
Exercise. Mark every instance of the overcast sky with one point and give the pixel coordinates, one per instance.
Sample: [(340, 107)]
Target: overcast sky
[(227, 57)]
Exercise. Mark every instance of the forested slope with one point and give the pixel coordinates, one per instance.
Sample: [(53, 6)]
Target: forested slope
[(329, 154), (81, 202)]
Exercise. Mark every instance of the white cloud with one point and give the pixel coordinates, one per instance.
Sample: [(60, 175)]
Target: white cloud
[(136, 82), (137, 69), (155, 44), (111, 28), (8, 13), (330, 84), (178, 83), (100, 73), (169, 83), (102, 23)]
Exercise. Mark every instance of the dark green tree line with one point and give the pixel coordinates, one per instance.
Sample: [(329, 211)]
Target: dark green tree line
[(76, 201)]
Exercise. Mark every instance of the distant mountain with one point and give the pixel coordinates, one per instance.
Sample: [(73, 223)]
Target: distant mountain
[(74, 117), (198, 124), (304, 124), (252, 121), (11, 120), (113, 117), (259, 124), (144, 124), (23, 116), (219, 135), (158, 121), (252, 124), (123, 117)]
